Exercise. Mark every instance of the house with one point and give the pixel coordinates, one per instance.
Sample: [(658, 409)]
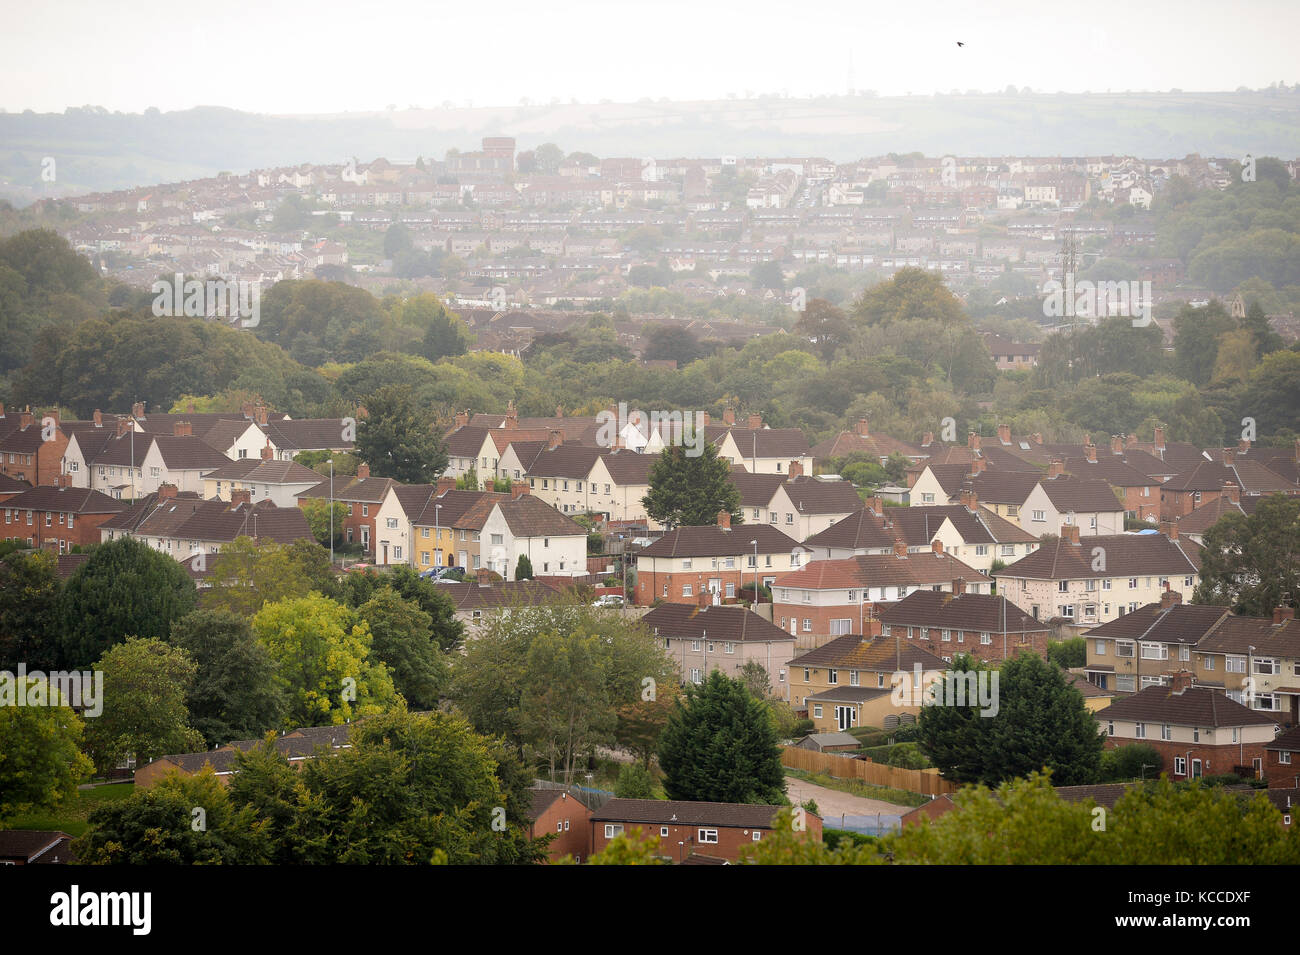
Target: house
[(834, 597), (265, 479), (61, 517), (32, 447), (11, 486), (968, 531), (1282, 760), (363, 496), (1137, 491), (448, 531), (684, 829), (984, 626), (1059, 500), (296, 746), (1256, 660), (1002, 492), (35, 847), (868, 665), (803, 505), (1196, 730), (556, 812), (1085, 584), (393, 530), (704, 638), (1195, 523), (132, 463), (757, 448), (1190, 489), (478, 597), (1147, 645), (556, 546), (688, 561), (878, 447)]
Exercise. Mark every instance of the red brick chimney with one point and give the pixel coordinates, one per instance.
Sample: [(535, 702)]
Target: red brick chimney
[(706, 418), (900, 547), (972, 440), (462, 418), (518, 489), (137, 409), (969, 499), (484, 576), (1056, 468), (977, 466), (1036, 437), (1232, 492), (1090, 452), (512, 416), (1243, 446), (796, 469), (167, 492), (1116, 444), (959, 586), (99, 418), (268, 452), (123, 426), (927, 439), (363, 471), (1130, 441), (1282, 613), (863, 430), (25, 420), (724, 520), (1004, 433), (445, 483), (729, 416), (1159, 436), (261, 415), (936, 545), (236, 497), (1180, 682), (555, 440), (875, 505), (704, 599), (871, 628), (1169, 529), (1228, 457), (1070, 534), (64, 480), (559, 411), (755, 421), (183, 429), (1170, 597)]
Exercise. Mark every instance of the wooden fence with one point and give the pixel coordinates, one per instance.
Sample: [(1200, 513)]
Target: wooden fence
[(928, 782)]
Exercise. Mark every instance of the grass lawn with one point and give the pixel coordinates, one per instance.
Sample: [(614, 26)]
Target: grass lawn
[(901, 797), (71, 818)]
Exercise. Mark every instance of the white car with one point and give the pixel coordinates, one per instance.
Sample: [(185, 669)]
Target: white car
[(609, 600)]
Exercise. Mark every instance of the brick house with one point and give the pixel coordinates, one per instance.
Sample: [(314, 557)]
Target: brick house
[(982, 625), (363, 496), (62, 517), (714, 829), (1199, 485), (1138, 492), (1145, 647), (555, 812), (1196, 730), (688, 561), (706, 638), (25, 454)]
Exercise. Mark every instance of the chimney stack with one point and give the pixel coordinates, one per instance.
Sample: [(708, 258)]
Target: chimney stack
[(1282, 613), (512, 416), (796, 468), (1169, 598), (445, 483), (518, 489), (863, 430), (268, 452), (724, 520), (1116, 444), (871, 628), (25, 420), (936, 545), (462, 419), (1169, 529), (1243, 446), (1228, 457), (755, 421), (876, 505), (1056, 468), (706, 418), (137, 409), (363, 471), (1232, 492), (261, 416), (969, 499), (1180, 682), (555, 440), (559, 411), (1130, 441), (729, 416), (1159, 436), (183, 429), (900, 547), (1004, 433), (241, 496), (927, 439), (123, 426), (705, 599), (1070, 534), (99, 418), (977, 466), (65, 480), (1036, 437), (972, 440), (484, 577), (1090, 452), (959, 586), (167, 492)]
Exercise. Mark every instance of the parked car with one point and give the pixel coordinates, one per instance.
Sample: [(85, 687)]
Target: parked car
[(610, 600)]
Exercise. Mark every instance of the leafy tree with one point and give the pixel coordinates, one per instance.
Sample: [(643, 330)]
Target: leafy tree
[(1072, 652), (448, 632), (1134, 761), (1249, 563), (719, 746), (29, 596), (524, 568), (158, 826), (41, 761), (672, 342), (548, 157), (635, 849), (564, 708), (1197, 332), (1256, 322), (234, 694), (642, 722), (403, 641), (326, 667), (397, 239), (126, 587), (1272, 393), (912, 293), (247, 575), (146, 683), (756, 679), (826, 326), (767, 275), (397, 438), (688, 491), (1040, 721), (317, 512)]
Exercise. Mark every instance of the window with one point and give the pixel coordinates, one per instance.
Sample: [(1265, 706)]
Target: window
[(391, 523), (695, 646), (1124, 683), (663, 830), (1039, 516), (817, 711), (686, 563), (1012, 510), (927, 498), (1062, 586), (1132, 583), (1008, 550), (728, 647), (397, 553), (696, 676), (1105, 584), (853, 678), (686, 590), (1155, 651), (1235, 665), (833, 677), (612, 830), (1140, 731), (365, 510), (758, 835), (1099, 647), (1166, 732), (1208, 662), (498, 539), (1124, 648), (1267, 665), (981, 550), (1110, 727), (986, 638), (708, 835), (1284, 757), (1180, 766)]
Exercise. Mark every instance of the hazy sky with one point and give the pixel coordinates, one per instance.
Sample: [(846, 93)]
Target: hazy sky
[(329, 56)]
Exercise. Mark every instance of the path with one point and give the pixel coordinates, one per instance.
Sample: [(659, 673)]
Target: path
[(831, 803)]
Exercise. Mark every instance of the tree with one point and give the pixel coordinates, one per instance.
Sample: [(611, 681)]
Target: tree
[(447, 631), (29, 598), (234, 694), (1072, 652), (41, 761), (826, 326), (397, 239), (768, 275), (402, 639), (1197, 332), (1040, 720), (397, 438), (146, 683), (548, 157), (317, 512), (564, 708), (912, 293), (641, 723), (1250, 562), (756, 679), (689, 491), (524, 568), (446, 336), (1134, 761), (672, 342), (247, 575), (719, 746), (1256, 322), (325, 665), (126, 587), (634, 782)]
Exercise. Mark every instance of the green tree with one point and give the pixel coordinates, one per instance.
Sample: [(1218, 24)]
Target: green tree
[(41, 761), (688, 491), (247, 575), (1039, 720), (29, 601), (126, 587), (1072, 652), (448, 632), (397, 438), (826, 326), (564, 707), (756, 679), (524, 568), (672, 342), (634, 782), (1197, 332), (234, 694), (1134, 761), (719, 746), (146, 683), (402, 639), (910, 294), (317, 512), (1250, 563)]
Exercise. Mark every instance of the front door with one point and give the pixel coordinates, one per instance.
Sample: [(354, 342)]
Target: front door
[(365, 537), (846, 716), (385, 560), (1196, 768)]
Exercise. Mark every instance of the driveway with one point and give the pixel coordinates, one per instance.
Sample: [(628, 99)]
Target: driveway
[(831, 803)]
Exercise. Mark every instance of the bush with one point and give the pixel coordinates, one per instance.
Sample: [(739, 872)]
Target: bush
[(802, 728), (1124, 763), (634, 782), (811, 806), (907, 756), (1068, 653)]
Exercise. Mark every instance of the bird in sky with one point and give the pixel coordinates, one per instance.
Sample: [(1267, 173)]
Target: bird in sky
[(959, 43)]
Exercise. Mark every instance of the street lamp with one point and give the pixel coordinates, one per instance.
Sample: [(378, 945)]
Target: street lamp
[(331, 464), (437, 537), (755, 543)]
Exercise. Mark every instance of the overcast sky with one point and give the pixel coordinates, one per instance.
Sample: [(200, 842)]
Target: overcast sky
[(330, 57)]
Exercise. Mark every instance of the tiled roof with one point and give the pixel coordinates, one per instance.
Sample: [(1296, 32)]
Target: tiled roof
[(709, 540), (1127, 555), (733, 624), (529, 516), (756, 490), (849, 694), (627, 468), (255, 470), (564, 461), (502, 593), (809, 495), (1181, 623), (667, 812), (466, 441), (765, 442), (880, 570), (370, 490), (1109, 468), (1080, 496), (1197, 706), (979, 612), (191, 519), (850, 442), (880, 654), (307, 434), (71, 500)]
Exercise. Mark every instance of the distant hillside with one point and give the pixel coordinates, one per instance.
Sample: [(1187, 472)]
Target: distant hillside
[(97, 150)]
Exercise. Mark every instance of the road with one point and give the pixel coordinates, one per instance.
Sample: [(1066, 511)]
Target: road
[(831, 803)]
